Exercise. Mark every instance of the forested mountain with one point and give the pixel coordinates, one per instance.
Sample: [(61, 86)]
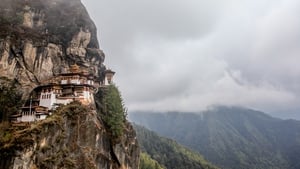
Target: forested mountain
[(146, 162), (231, 137), (168, 153)]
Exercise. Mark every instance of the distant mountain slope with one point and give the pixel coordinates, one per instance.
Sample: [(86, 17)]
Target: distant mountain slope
[(231, 137), (168, 153), (146, 162)]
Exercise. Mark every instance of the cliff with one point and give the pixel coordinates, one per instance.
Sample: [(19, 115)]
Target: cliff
[(73, 137), (38, 40)]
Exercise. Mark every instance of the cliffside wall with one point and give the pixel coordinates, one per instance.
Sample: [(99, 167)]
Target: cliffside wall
[(74, 137), (41, 38), (38, 40)]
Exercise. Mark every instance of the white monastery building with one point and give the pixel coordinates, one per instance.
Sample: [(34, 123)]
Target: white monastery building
[(62, 89)]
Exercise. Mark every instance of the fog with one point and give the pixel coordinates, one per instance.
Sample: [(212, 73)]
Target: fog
[(190, 55)]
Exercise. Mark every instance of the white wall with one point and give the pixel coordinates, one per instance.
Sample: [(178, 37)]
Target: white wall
[(63, 101), (47, 101), (27, 117), (64, 81), (75, 81), (106, 81)]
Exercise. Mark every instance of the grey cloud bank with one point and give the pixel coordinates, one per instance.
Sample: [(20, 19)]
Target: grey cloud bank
[(189, 55)]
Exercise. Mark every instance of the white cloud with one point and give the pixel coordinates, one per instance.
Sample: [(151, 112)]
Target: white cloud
[(187, 55)]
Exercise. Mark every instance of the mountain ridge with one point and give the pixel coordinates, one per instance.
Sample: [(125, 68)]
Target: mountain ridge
[(231, 137)]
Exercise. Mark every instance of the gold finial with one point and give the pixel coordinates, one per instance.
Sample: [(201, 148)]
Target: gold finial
[(74, 68)]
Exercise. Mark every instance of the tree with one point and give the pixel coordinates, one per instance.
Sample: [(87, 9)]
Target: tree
[(10, 99), (113, 111), (146, 162)]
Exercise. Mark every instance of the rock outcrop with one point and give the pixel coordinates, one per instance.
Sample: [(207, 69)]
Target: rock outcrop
[(38, 40), (74, 137)]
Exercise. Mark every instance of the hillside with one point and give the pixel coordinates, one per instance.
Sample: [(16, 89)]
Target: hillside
[(169, 153), (146, 162), (231, 137)]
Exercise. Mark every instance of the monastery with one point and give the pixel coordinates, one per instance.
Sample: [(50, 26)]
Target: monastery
[(75, 85)]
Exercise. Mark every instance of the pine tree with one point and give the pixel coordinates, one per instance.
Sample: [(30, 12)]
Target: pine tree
[(114, 112)]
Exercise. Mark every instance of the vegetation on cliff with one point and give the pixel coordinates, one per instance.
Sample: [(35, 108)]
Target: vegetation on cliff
[(10, 99), (17, 137), (61, 22), (72, 137), (112, 111), (8, 14)]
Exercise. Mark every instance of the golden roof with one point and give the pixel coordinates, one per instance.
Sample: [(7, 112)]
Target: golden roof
[(74, 68)]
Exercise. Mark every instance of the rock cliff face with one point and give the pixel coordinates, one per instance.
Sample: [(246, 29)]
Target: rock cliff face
[(73, 137), (39, 39)]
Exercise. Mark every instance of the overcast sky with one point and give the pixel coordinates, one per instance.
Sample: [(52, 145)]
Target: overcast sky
[(187, 55)]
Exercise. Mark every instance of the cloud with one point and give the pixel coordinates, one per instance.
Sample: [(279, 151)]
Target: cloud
[(188, 55)]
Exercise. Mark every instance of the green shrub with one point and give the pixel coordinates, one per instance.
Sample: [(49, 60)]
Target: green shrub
[(72, 109)]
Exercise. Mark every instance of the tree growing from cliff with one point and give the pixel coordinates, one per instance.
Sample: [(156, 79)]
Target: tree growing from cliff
[(112, 111), (10, 99)]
